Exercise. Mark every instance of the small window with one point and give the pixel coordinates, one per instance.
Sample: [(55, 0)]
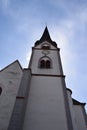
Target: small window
[(0, 90), (46, 47)]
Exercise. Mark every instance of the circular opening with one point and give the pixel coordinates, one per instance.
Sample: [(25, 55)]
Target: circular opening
[(0, 90)]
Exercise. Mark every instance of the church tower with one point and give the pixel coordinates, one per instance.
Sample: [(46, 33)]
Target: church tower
[(41, 100), (47, 106)]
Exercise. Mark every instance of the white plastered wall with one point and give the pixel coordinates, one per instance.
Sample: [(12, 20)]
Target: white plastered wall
[(72, 110), (45, 107), (53, 55), (10, 79), (80, 120)]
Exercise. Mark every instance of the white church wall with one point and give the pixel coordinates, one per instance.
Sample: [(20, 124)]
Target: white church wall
[(10, 78), (80, 120), (53, 55), (45, 107), (72, 109)]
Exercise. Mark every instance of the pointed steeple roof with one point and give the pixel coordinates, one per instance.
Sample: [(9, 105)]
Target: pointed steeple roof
[(46, 37)]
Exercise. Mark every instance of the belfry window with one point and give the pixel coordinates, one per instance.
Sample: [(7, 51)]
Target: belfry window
[(45, 63), (48, 64), (42, 64)]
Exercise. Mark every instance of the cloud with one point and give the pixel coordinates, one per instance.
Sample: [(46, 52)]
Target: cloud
[(67, 24)]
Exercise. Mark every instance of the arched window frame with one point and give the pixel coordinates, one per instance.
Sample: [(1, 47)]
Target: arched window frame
[(45, 66), (45, 46)]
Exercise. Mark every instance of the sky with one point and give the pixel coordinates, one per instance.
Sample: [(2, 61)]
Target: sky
[(22, 23)]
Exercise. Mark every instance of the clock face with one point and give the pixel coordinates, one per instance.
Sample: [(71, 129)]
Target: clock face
[(45, 48), (45, 52)]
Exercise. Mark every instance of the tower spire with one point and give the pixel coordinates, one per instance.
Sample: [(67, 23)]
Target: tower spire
[(46, 36)]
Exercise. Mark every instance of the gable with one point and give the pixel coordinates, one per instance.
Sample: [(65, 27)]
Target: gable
[(10, 78), (13, 67)]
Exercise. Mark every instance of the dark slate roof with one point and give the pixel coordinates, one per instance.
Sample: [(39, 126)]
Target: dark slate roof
[(46, 37), (75, 102), (69, 90)]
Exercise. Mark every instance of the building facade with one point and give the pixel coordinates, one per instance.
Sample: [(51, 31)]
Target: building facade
[(36, 98)]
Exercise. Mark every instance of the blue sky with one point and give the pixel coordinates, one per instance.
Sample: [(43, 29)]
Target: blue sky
[(22, 22)]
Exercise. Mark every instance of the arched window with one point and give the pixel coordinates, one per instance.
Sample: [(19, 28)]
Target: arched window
[(42, 64), (48, 64), (0, 90), (45, 63)]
